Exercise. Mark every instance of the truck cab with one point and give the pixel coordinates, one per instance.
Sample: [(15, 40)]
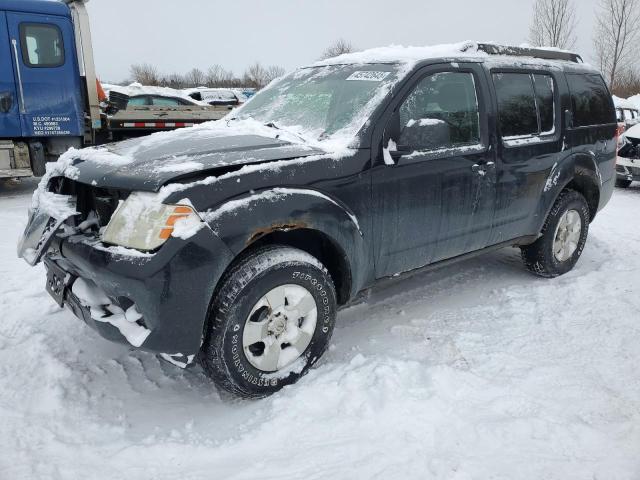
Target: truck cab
[(41, 92)]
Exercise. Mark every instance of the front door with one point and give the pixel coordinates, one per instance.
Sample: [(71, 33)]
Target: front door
[(9, 113), (434, 194), (46, 70)]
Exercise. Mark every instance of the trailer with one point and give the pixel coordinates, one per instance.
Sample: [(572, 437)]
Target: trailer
[(49, 98)]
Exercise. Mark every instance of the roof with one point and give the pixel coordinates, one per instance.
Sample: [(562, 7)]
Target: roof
[(464, 50), (46, 7)]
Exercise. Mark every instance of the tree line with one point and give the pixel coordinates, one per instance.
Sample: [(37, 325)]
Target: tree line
[(615, 37), (255, 76)]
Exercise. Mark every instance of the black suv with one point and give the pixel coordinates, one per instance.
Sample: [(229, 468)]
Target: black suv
[(233, 243)]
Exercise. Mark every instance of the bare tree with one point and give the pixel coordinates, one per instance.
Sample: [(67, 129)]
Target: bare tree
[(195, 78), (256, 76), (339, 47), (616, 33), (145, 74), (554, 24), (274, 71)]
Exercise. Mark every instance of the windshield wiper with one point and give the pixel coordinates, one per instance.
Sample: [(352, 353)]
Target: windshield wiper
[(275, 126)]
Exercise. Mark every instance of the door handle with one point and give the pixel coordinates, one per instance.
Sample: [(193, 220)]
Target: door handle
[(20, 87), (6, 102)]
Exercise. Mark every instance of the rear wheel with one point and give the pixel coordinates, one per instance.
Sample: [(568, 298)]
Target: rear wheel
[(272, 319), (563, 237), (622, 183)]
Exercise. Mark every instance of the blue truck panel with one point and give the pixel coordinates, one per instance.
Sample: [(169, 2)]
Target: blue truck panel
[(46, 7), (9, 114), (46, 70)]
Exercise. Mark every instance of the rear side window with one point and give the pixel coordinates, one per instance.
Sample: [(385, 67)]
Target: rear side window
[(526, 104), (168, 101), (42, 45), (592, 104)]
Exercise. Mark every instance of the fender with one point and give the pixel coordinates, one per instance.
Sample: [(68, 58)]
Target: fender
[(579, 170), (242, 221)]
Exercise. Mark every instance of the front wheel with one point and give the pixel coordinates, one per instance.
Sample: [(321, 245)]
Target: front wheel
[(622, 183), (271, 320), (563, 237)]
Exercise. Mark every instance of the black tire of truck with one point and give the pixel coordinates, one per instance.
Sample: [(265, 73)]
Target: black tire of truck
[(223, 356), (539, 257), (622, 183)]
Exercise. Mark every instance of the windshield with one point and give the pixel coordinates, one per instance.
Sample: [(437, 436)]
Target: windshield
[(323, 102)]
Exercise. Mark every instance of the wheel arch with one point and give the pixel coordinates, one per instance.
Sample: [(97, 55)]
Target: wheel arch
[(297, 217)]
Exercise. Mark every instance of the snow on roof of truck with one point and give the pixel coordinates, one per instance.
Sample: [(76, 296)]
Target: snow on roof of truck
[(467, 49), (630, 103), (47, 7)]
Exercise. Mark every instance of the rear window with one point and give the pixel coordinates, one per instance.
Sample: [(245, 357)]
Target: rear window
[(592, 104), (42, 45), (526, 105)]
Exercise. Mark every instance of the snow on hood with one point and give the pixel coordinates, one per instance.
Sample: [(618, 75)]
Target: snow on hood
[(633, 132)]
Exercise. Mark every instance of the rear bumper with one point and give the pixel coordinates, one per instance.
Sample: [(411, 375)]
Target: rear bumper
[(171, 289)]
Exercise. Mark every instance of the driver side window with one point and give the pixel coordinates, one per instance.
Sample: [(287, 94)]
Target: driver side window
[(442, 112)]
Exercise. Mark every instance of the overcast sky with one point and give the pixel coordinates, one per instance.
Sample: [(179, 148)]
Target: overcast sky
[(177, 36)]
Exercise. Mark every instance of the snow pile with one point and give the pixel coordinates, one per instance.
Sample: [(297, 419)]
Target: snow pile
[(475, 371), (103, 310)]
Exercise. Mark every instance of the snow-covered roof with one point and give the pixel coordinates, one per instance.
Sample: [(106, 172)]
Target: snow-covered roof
[(634, 102), (138, 89), (411, 55)]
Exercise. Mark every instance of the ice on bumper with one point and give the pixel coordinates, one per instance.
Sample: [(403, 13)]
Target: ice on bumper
[(102, 309)]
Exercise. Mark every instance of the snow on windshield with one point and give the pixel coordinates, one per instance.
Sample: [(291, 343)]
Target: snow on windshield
[(324, 103)]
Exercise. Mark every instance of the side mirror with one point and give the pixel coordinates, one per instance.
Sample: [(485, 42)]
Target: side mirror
[(568, 119), (6, 102)]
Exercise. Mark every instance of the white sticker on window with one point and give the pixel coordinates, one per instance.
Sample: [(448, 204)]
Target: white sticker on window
[(369, 76)]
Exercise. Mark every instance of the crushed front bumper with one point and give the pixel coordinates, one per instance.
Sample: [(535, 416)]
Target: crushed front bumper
[(628, 169), (171, 289)]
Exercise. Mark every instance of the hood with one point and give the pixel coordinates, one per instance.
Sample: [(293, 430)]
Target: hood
[(149, 163)]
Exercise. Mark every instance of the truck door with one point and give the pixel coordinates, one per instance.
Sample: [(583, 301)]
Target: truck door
[(46, 70), (9, 114)]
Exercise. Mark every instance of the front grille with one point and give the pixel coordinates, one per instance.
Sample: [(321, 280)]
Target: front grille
[(101, 201)]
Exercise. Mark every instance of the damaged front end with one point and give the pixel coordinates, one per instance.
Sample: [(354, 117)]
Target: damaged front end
[(155, 300), (628, 165)]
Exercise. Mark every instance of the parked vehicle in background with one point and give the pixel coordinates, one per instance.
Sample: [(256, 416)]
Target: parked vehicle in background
[(234, 244), (628, 165), (48, 89), (627, 114), (218, 96)]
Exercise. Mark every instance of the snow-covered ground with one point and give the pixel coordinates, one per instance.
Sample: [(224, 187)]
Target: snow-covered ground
[(477, 371)]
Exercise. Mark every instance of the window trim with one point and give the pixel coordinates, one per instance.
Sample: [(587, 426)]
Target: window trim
[(438, 153), (515, 141), (24, 49)]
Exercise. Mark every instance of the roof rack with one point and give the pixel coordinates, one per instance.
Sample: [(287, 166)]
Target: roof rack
[(545, 54)]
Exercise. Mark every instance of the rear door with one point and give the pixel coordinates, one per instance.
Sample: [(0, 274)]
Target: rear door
[(46, 69), (9, 113), (529, 147)]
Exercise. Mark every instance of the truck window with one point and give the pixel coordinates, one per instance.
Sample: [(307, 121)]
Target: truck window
[(442, 112), (544, 88), (168, 101), (592, 104), (526, 104), (42, 45), (138, 101)]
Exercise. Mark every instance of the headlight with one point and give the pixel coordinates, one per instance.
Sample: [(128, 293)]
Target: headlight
[(143, 223)]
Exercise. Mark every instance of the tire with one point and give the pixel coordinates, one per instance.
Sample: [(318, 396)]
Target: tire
[(225, 356), (622, 183), (540, 257)]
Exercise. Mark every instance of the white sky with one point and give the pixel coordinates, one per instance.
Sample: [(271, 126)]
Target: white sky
[(177, 36)]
